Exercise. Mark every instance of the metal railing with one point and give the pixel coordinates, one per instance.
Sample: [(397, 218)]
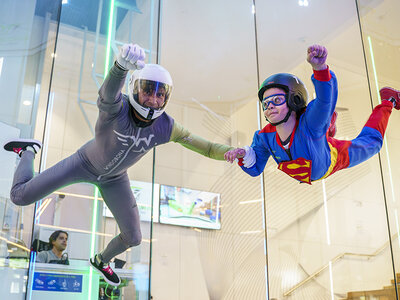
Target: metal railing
[(334, 260)]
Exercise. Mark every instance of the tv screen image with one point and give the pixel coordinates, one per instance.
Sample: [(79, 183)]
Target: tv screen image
[(187, 207)]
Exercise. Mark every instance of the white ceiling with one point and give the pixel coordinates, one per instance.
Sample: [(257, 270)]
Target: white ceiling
[(210, 46), (214, 57)]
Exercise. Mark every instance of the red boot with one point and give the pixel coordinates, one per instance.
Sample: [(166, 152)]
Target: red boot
[(388, 93), (332, 127)]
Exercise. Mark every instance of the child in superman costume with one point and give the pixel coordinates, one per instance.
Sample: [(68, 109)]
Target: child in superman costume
[(300, 137)]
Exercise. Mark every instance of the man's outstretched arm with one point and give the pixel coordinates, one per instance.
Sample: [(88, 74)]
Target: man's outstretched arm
[(198, 144)]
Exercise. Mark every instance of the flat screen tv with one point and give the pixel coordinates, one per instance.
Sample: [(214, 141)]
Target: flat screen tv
[(187, 207)]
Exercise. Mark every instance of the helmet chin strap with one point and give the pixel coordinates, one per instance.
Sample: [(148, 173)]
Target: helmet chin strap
[(281, 121), (150, 114)]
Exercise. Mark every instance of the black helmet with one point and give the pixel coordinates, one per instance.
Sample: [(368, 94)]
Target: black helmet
[(296, 91)]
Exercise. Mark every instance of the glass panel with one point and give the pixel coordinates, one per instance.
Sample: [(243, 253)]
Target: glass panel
[(329, 239), (25, 42), (209, 49), (381, 41), (89, 37), (325, 241)]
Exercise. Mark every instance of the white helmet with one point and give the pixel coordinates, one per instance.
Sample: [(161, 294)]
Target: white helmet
[(150, 79)]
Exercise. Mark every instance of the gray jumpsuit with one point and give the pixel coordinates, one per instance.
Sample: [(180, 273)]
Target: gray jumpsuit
[(118, 144)]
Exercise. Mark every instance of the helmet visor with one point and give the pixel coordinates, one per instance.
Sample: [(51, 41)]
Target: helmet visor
[(275, 99), (148, 89)]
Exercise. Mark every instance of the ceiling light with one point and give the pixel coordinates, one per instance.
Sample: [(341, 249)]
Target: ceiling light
[(64, 1), (303, 2), (27, 102)]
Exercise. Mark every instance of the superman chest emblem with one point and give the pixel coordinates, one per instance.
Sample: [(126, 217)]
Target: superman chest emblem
[(299, 169)]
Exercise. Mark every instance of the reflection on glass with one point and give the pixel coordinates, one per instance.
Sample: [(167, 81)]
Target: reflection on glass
[(24, 41)]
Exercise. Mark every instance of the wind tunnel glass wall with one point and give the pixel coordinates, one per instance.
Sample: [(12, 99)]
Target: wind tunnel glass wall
[(209, 49), (325, 241), (27, 38), (89, 37), (331, 240), (382, 47)]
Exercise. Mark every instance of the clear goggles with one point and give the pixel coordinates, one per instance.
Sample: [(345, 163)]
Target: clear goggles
[(149, 88), (275, 99)]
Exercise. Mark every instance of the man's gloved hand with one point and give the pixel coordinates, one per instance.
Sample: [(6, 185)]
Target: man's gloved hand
[(131, 57)]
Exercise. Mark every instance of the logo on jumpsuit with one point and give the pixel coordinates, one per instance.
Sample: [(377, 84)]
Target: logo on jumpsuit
[(133, 143)]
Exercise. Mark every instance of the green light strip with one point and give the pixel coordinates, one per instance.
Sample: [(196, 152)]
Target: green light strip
[(109, 34), (93, 237), (379, 99), (374, 69)]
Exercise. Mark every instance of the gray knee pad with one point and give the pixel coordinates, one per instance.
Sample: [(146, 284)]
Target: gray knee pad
[(131, 238)]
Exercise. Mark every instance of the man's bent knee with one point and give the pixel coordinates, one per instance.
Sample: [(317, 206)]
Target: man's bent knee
[(131, 238), (19, 200)]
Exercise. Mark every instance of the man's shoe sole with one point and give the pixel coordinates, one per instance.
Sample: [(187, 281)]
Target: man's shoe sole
[(22, 142)]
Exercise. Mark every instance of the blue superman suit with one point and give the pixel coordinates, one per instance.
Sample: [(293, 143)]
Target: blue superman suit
[(312, 154)]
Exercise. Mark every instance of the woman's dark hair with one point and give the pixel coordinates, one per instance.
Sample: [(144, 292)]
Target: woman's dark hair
[(54, 236)]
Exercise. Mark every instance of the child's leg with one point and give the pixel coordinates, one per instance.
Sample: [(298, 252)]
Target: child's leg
[(27, 189), (369, 141)]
